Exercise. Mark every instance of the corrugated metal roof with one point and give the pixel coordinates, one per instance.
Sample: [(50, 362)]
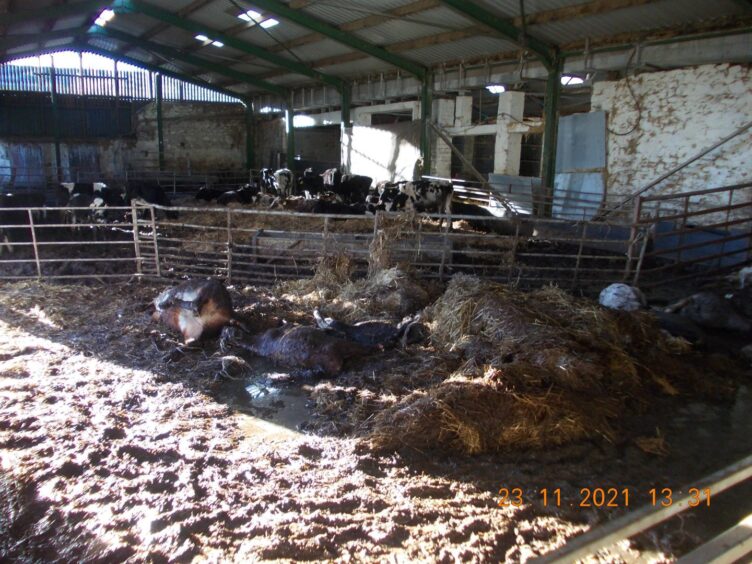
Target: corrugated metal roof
[(639, 18), (396, 30), (360, 67), (323, 49), (431, 22), (473, 47), (511, 8), (338, 12)]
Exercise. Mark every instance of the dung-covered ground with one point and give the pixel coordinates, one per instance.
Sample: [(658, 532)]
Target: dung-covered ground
[(117, 444)]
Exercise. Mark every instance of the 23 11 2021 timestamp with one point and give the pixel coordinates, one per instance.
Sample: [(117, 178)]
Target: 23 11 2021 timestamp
[(604, 497)]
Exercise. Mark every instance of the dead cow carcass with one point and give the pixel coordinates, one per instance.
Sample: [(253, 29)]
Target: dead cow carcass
[(373, 333), (298, 346), (196, 308)]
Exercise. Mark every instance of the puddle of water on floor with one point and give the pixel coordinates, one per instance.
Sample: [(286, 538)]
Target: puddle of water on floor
[(270, 404)]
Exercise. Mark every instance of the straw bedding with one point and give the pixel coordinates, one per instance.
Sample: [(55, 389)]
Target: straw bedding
[(506, 369)]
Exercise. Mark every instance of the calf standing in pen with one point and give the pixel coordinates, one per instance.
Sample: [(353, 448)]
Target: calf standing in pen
[(310, 184), (284, 181), (150, 193)]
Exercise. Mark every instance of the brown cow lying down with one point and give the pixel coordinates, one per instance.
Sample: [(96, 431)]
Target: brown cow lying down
[(196, 309), (309, 348)]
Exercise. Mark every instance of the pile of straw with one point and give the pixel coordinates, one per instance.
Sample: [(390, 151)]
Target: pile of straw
[(386, 293), (540, 369)]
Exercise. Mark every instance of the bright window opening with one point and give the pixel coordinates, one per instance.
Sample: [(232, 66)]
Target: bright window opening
[(202, 37), (250, 16), (218, 44), (104, 17), (569, 80), (496, 88), (303, 121), (253, 17)]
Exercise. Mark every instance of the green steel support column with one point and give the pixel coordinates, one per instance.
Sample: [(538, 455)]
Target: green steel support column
[(160, 124), (290, 130), (346, 94), (551, 123), (425, 118), (55, 123), (249, 132)]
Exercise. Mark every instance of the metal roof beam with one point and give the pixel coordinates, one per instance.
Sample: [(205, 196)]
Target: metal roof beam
[(154, 68), (131, 6), (319, 26), (366, 22), (52, 12), (505, 28), (176, 54)]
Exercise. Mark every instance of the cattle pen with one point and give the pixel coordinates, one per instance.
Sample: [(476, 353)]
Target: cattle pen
[(376, 281), (261, 246)]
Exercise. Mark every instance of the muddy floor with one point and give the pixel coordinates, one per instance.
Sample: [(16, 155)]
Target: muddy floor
[(115, 445)]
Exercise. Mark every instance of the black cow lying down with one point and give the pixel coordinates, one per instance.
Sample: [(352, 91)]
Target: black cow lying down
[(373, 333), (315, 351)]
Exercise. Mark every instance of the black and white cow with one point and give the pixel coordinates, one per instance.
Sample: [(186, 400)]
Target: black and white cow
[(246, 194), (266, 181), (393, 199), (10, 214), (310, 184), (354, 188), (106, 197), (82, 187), (332, 177), (207, 194), (433, 196), (284, 182), (150, 193), (81, 210)]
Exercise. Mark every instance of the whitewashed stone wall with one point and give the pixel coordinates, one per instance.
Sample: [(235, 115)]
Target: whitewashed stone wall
[(682, 112)]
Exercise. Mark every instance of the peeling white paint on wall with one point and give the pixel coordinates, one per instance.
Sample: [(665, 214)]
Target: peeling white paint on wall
[(682, 112)]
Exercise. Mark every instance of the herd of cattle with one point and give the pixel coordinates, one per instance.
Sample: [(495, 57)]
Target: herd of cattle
[(335, 192), (331, 192)]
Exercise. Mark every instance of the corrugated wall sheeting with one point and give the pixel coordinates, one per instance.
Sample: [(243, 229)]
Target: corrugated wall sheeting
[(31, 117)]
